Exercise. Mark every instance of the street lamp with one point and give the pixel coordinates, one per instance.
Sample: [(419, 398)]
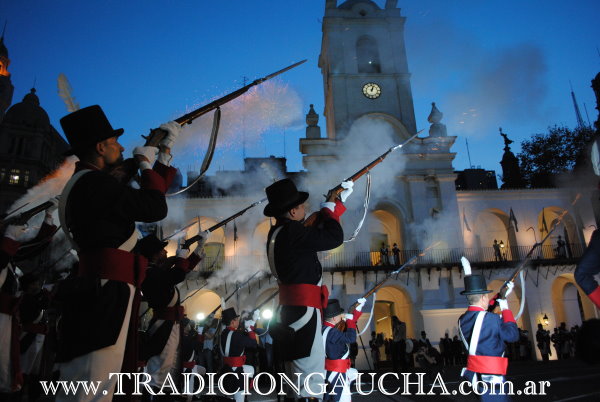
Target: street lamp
[(200, 316), (502, 252), (545, 320)]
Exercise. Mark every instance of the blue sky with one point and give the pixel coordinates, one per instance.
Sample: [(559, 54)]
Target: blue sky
[(486, 64)]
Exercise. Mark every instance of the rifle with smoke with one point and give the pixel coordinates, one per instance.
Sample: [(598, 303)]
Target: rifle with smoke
[(237, 288), (504, 288), (337, 190), (25, 216), (214, 227), (128, 168), (342, 324)]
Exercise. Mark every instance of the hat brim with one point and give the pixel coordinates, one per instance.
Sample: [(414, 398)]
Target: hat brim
[(340, 311), (475, 292), (116, 133), (275, 210)]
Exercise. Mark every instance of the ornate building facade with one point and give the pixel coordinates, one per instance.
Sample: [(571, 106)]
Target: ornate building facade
[(369, 106)]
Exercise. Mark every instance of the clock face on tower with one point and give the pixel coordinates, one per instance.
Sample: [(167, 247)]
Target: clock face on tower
[(371, 90)]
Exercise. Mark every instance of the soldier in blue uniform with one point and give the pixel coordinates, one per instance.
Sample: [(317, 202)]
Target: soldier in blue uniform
[(483, 335), (233, 346), (337, 350)]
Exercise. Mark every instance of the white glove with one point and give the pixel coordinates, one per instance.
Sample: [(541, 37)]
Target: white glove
[(16, 233), (199, 251), (361, 303), (503, 304), (249, 323), (181, 253), (149, 153), (200, 330), (173, 129), (509, 287), (349, 316), (222, 304), (164, 158), (256, 315), (347, 186)]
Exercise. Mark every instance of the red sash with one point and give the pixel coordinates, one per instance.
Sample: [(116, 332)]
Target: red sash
[(337, 365), (113, 264), (174, 313), (9, 304), (236, 361), (487, 364), (189, 365), (303, 295)]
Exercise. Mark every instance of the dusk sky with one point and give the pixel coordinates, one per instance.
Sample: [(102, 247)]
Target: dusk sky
[(485, 64)]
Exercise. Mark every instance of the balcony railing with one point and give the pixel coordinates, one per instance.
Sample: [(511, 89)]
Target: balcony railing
[(370, 259)]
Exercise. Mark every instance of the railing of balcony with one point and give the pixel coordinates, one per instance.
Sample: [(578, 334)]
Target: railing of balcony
[(367, 259)]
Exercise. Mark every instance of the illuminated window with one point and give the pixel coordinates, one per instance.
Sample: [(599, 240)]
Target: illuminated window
[(26, 178), (14, 176)]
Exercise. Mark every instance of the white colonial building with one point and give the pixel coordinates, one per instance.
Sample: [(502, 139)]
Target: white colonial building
[(414, 203)]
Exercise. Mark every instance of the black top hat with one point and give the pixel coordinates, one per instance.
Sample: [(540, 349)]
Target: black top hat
[(475, 285), (283, 196), (86, 127), (333, 309), (150, 245), (228, 315)]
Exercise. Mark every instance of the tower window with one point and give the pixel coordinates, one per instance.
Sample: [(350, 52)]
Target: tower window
[(367, 55), (14, 176)]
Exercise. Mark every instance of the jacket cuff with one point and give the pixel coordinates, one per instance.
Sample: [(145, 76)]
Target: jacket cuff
[(9, 246), (151, 180), (168, 173), (595, 296), (507, 316), (338, 211), (193, 260), (351, 324), (357, 315), (182, 264)]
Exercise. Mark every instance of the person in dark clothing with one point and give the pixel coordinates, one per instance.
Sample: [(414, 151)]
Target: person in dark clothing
[(446, 349), (233, 344), (98, 215), (14, 240), (337, 349), (160, 290), (396, 254), (292, 250), (398, 346), (542, 338)]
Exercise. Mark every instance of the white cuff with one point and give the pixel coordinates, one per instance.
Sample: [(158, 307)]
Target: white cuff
[(48, 219), (328, 205), (503, 304), (145, 165), (164, 158), (181, 253)]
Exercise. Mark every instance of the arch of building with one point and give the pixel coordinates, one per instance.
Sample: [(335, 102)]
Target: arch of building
[(567, 229), (400, 131), (393, 300), (493, 224), (385, 224), (204, 301), (569, 302), (259, 237)]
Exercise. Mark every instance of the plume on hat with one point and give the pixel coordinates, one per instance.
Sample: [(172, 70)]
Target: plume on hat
[(466, 265)]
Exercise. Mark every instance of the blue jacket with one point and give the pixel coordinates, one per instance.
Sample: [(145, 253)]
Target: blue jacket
[(337, 341)]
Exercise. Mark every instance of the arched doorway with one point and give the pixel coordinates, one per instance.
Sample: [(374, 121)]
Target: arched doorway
[(492, 226), (566, 231), (570, 303), (392, 301), (202, 303), (385, 227)]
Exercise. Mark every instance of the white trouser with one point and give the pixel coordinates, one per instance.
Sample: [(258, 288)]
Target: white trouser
[(160, 365), (97, 365), (6, 376), (313, 365)]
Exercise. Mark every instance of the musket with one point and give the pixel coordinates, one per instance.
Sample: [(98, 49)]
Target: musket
[(504, 288), (25, 216), (128, 168), (237, 288), (214, 227), (338, 189), (342, 324)]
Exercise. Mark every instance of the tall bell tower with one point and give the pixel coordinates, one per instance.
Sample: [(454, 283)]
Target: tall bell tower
[(6, 86), (364, 65)]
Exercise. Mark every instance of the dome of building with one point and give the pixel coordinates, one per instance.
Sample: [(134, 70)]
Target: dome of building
[(28, 113)]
